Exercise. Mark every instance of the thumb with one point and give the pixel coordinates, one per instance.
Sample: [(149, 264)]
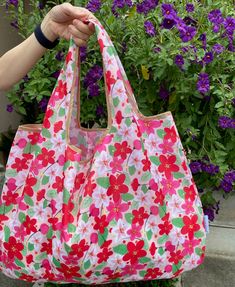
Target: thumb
[(77, 12)]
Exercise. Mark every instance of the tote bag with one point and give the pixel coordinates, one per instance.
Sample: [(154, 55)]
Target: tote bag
[(99, 205)]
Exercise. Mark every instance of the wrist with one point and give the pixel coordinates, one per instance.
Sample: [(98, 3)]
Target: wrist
[(47, 28)]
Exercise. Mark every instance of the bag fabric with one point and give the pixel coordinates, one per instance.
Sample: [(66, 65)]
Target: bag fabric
[(99, 205)]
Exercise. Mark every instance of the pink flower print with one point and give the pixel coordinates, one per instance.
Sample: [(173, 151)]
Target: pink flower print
[(61, 160), (189, 246), (132, 269), (169, 185), (149, 126), (116, 164), (20, 232), (22, 143), (188, 206), (11, 184), (36, 166), (119, 90), (119, 230), (116, 210), (134, 232), (137, 144), (166, 146), (151, 143), (135, 159), (101, 147), (21, 204), (8, 262)]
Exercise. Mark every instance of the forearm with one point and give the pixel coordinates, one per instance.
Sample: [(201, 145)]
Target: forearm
[(16, 63)]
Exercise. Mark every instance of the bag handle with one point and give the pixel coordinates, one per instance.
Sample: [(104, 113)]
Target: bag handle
[(68, 83)]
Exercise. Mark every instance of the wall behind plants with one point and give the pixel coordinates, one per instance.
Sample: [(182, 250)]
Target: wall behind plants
[(178, 55)]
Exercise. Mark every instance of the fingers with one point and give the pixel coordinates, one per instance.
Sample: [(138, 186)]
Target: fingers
[(81, 32), (77, 12)]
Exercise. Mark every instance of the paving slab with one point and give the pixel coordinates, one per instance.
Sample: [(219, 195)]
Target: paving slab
[(8, 282)]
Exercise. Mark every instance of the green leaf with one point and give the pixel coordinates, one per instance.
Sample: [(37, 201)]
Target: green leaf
[(146, 176), (103, 182), (127, 197), (111, 150), (111, 50), (144, 188), (162, 210), (132, 170), (45, 180), (21, 217), (102, 237), (87, 264), (116, 101), (163, 239), (86, 202), (149, 234), (129, 217), (178, 175), (178, 222), (30, 246), (56, 262), (155, 160), (161, 251), (27, 148), (61, 112), (161, 133), (66, 196), (7, 233), (19, 263), (199, 234), (51, 193), (144, 260), (46, 133), (85, 217), (71, 228), (120, 249), (128, 122)]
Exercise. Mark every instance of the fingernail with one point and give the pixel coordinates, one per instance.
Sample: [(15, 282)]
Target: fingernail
[(85, 22)]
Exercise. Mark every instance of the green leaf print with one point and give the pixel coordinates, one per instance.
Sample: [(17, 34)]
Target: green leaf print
[(120, 249), (103, 182), (155, 160), (6, 233), (178, 222)]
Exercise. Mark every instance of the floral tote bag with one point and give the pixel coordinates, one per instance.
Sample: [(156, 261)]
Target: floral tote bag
[(99, 205)]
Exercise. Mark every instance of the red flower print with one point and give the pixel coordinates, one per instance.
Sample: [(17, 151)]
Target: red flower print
[(26, 277), (166, 227), (59, 184), (89, 188), (139, 216), (29, 258), (135, 251), (30, 182), (46, 122), (153, 249), (101, 44), (79, 249), (122, 150), (190, 226), (69, 271), (166, 146), (109, 80), (47, 247), (13, 248), (152, 273), (29, 225), (168, 165), (79, 180), (175, 257), (106, 244), (61, 89), (117, 186), (67, 215), (41, 194), (34, 137), (118, 117), (68, 57), (170, 134), (101, 223), (46, 157), (135, 184), (116, 210), (104, 255), (19, 164), (146, 164), (58, 126), (148, 126), (190, 192), (2, 218), (160, 197), (10, 198)]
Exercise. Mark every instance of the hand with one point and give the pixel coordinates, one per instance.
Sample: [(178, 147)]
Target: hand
[(65, 21)]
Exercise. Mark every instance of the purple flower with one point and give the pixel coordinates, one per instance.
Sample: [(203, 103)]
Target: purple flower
[(189, 7), (99, 111), (12, 2), (40, 5), (233, 102), (226, 186), (146, 6), (43, 104), (203, 39), (195, 166), (83, 53), (209, 211), (168, 11), (224, 122), (149, 28), (203, 83), (208, 58), (94, 5), (94, 90), (179, 61), (26, 78), (164, 93), (168, 23), (216, 28), (120, 4), (56, 74), (190, 21), (230, 176), (157, 50), (218, 49), (59, 56), (215, 17), (15, 24), (9, 108), (93, 75), (188, 34), (229, 25)]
